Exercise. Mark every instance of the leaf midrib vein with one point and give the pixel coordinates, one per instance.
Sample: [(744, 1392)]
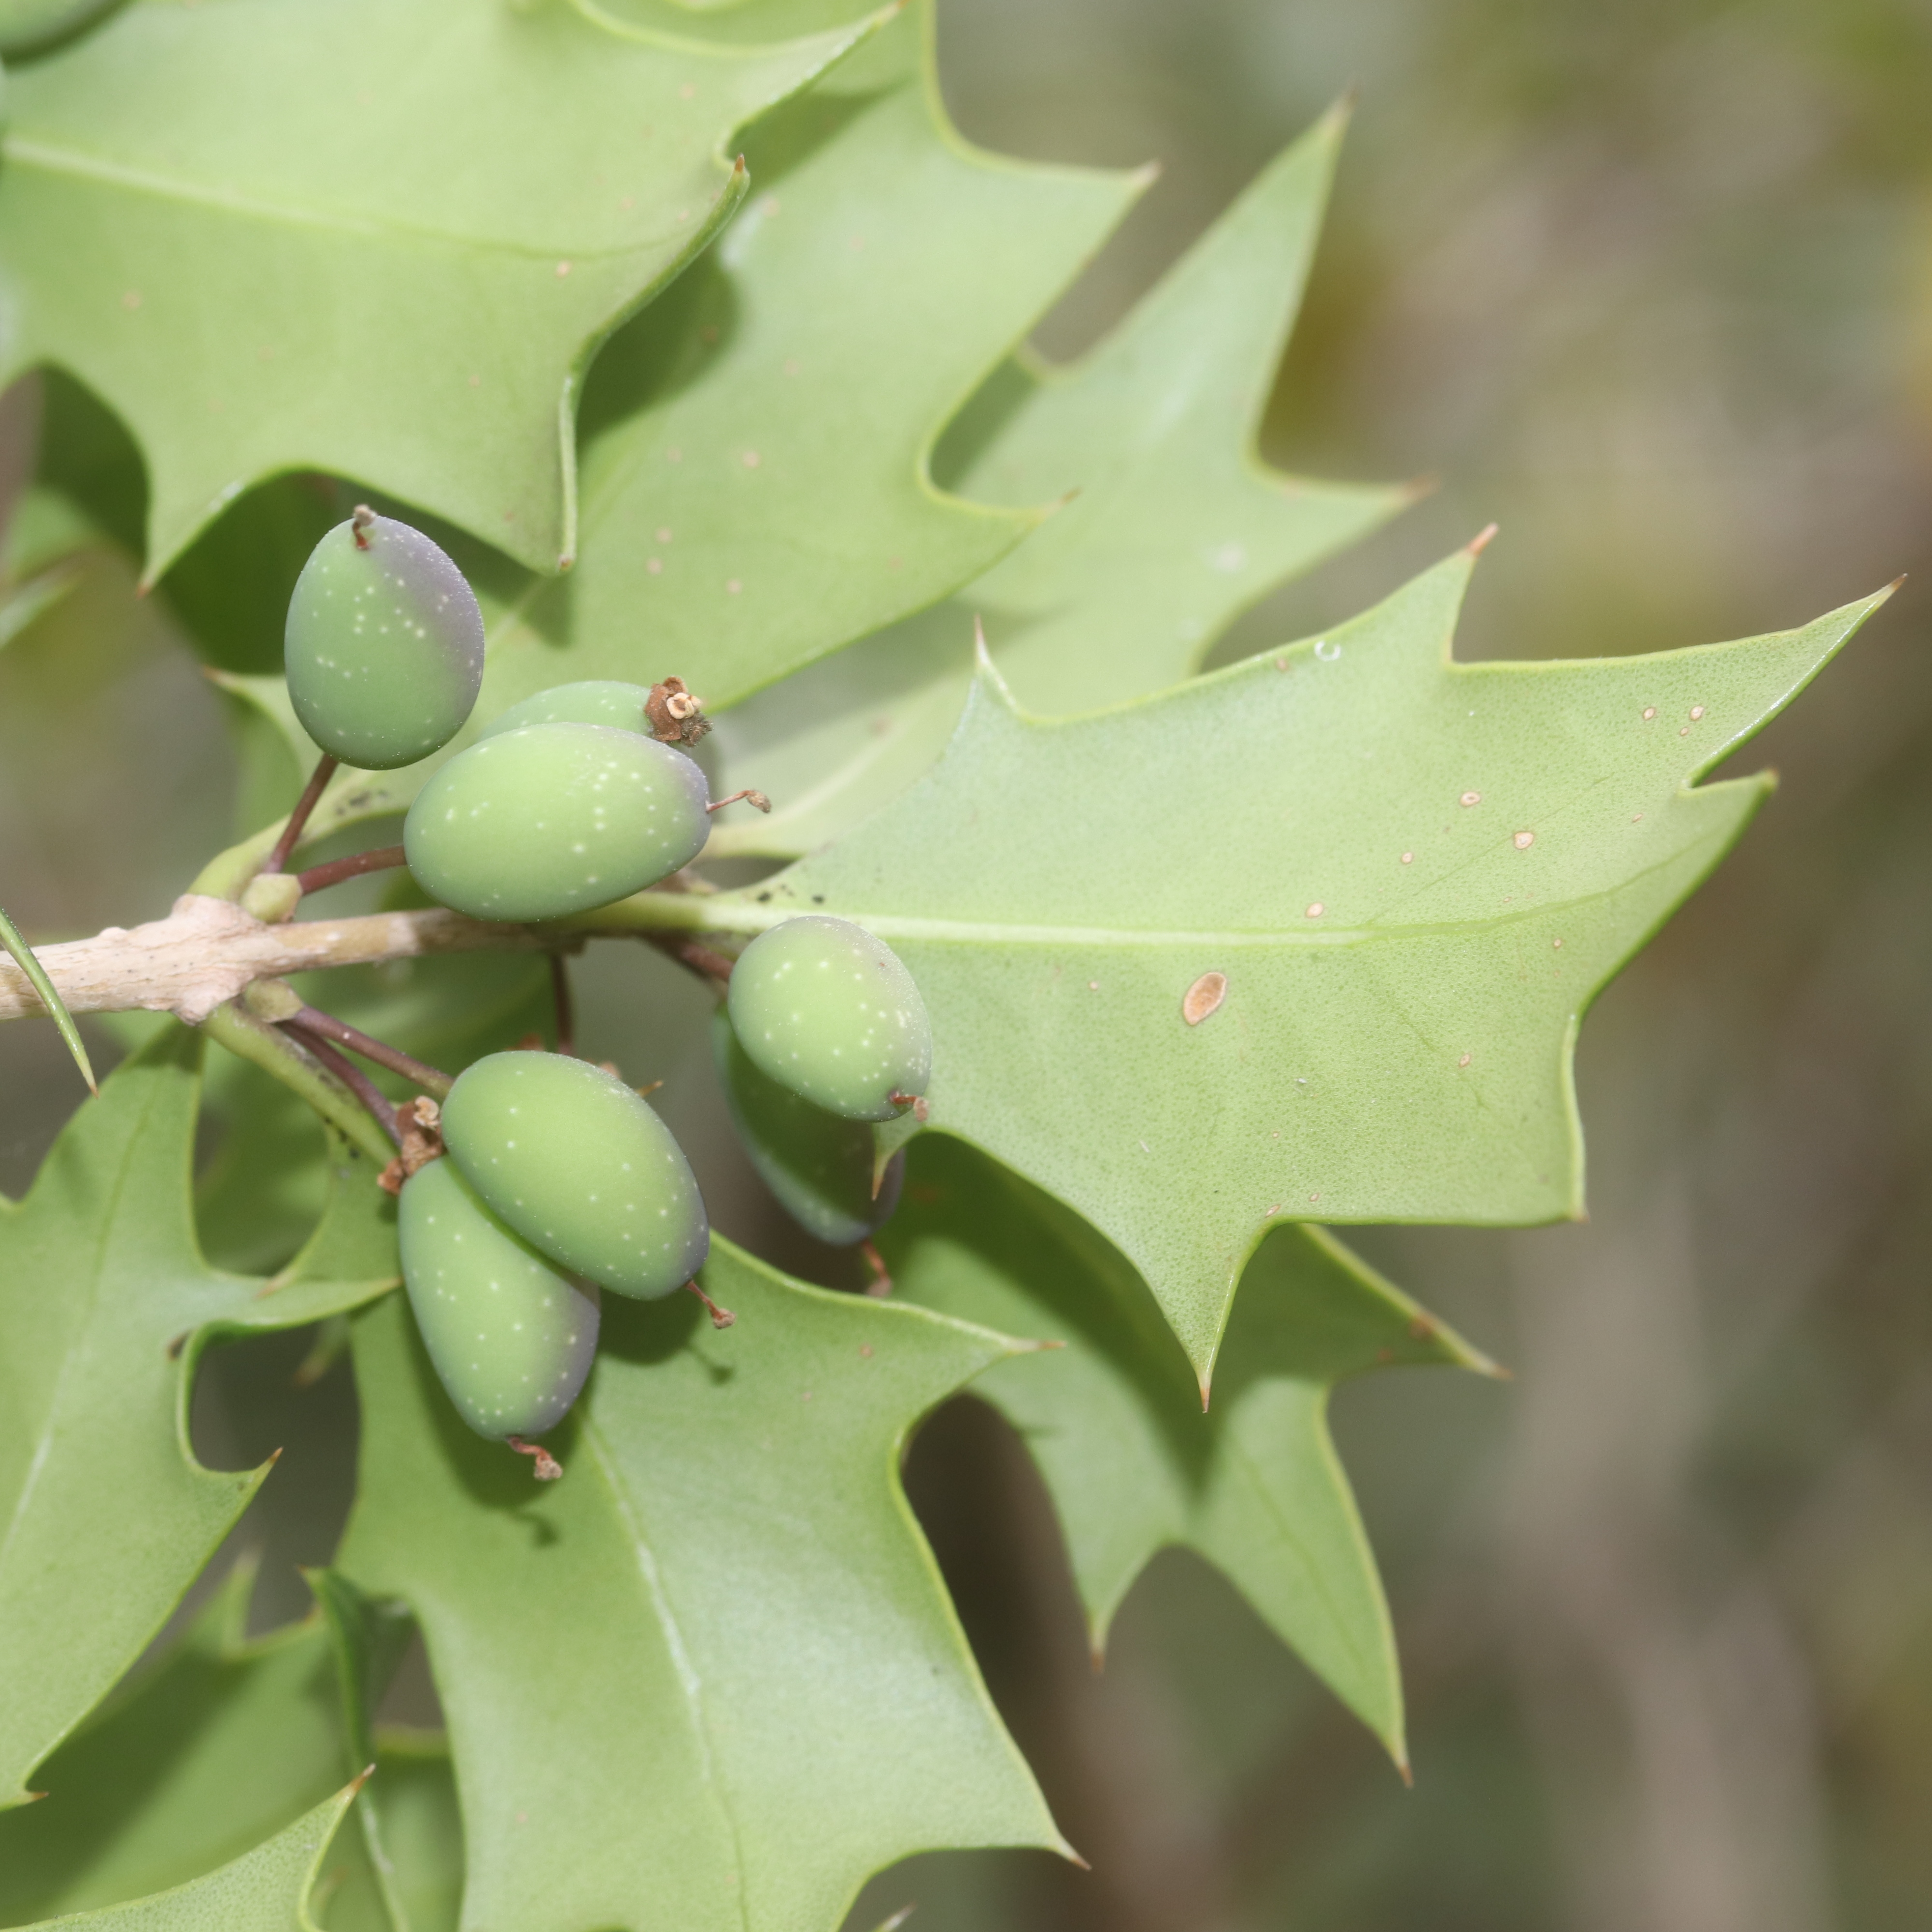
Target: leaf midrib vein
[(743, 917), (682, 1665)]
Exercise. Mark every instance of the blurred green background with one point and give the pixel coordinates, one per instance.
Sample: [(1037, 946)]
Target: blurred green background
[(1651, 285)]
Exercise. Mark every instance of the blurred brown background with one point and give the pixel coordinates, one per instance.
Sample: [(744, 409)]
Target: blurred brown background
[(1650, 284)]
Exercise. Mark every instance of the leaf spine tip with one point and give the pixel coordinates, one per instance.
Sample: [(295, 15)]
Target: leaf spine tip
[(1482, 540)]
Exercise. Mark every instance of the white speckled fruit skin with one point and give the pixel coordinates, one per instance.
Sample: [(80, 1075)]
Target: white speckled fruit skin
[(580, 1167), (596, 700), (829, 1011), (818, 1163), (549, 820), (384, 646), (511, 1338)]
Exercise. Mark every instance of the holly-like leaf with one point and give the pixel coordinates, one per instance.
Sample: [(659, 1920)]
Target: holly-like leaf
[(1113, 1419), (381, 238), (709, 1678), (370, 1637), (1172, 528), (106, 1306), (776, 426), (220, 1744), (755, 447), (755, 479), (269, 1889), (1312, 937), (422, 1832)]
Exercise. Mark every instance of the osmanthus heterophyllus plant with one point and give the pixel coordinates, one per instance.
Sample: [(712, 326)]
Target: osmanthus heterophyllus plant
[(355, 324)]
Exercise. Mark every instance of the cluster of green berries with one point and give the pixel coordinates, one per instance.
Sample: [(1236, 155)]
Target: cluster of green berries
[(560, 1181)]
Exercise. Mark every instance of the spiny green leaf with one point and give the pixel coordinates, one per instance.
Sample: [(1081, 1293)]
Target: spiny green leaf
[(369, 1637), (1114, 1421), (755, 486), (1174, 526), (49, 995), (106, 1305), (709, 1678), (421, 1826), (381, 238), (266, 1890), (219, 1745), (1414, 875), (755, 483)]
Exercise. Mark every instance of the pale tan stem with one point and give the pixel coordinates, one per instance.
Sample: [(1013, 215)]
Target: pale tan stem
[(208, 950)]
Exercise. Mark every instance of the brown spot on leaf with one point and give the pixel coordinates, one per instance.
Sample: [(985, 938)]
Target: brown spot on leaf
[(1204, 997)]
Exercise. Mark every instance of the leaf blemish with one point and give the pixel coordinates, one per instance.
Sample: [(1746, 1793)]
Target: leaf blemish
[(1203, 998), (1472, 798)]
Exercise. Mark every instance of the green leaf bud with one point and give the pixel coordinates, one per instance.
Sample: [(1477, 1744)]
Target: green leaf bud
[(553, 819), (829, 1011), (384, 647), (819, 1164), (580, 1167), (511, 1337)]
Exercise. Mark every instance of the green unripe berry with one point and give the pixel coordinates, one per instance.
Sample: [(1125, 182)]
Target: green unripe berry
[(553, 819), (828, 1011), (819, 1164), (511, 1337), (580, 1167), (597, 700), (384, 648)]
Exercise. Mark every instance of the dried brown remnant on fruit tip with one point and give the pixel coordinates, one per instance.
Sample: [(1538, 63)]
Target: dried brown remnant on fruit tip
[(676, 717), (1204, 997), (419, 1123)]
